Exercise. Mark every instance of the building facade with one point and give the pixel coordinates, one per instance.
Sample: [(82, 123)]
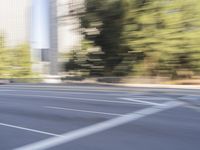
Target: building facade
[(48, 32)]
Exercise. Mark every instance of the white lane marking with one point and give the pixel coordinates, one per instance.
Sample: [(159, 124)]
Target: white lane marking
[(152, 98), (28, 129), (191, 102), (68, 87), (87, 93), (142, 101), (106, 90), (6, 90), (64, 88), (96, 128), (72, 98), (85, 111), (73, 93)]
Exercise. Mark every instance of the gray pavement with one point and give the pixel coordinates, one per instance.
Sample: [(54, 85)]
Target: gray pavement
[(90, 117)]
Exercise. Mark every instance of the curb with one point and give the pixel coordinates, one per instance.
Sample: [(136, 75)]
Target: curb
[(167, 86)]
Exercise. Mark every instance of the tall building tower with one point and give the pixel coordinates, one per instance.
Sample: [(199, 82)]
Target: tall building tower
[(44, 36)]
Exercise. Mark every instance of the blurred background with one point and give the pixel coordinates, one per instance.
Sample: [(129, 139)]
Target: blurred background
[(132, 41)]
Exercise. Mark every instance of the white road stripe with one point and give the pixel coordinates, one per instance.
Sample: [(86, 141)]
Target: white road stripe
[(85, 111), (28, 129), (142, 97), (6, 90), (86, 93), (70, 88), (70, 92), (96, 128), (104, 89), (142, 101), (72, 98)]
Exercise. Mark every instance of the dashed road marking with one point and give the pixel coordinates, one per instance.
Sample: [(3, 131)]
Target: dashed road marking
[(99, 127), (6, 90), (142, 101), (85, 111), (73, 98), (28, 129)]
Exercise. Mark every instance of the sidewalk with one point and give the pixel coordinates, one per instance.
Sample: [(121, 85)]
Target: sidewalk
[(95, 82), (195, 87), (170, 86)]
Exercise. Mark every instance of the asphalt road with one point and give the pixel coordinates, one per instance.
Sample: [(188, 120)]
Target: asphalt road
[(89, 117)]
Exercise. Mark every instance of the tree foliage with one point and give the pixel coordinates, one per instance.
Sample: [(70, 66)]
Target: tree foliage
[(14, 62), (144, 37)]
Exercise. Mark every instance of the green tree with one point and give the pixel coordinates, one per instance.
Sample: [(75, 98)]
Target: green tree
[(21, 63), (4, 59), (143, 37), (14, 62), (165, 33), (181, 51), (102, 22)]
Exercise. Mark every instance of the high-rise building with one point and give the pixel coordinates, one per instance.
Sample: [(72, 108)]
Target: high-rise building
[(44, 36), (44, 26)]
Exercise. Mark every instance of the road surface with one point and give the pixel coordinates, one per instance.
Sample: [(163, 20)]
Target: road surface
[(89, 117)]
